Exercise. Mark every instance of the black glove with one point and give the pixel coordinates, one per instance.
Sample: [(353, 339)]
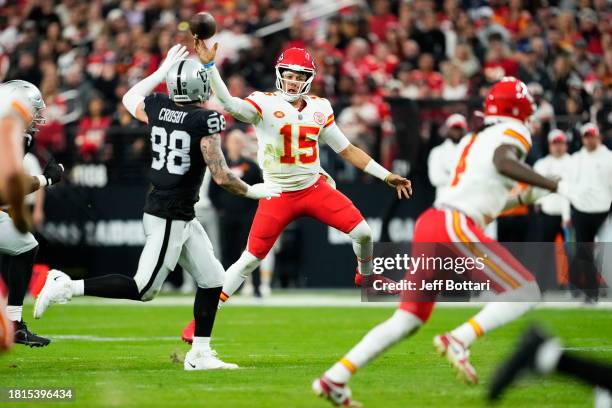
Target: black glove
[(53, 172)]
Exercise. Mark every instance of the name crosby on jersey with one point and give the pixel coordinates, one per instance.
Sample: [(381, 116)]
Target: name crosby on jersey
[(172, 116)]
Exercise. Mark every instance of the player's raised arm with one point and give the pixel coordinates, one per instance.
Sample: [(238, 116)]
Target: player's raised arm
[(224, 177), (133, 100), (360, 159), (237, 107)]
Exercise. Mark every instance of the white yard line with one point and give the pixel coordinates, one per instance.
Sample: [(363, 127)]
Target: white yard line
[(324, 299), (103, 339)]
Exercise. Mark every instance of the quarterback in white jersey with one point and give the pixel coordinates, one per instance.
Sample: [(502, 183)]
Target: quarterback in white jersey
[(289, 125), (490, 163)]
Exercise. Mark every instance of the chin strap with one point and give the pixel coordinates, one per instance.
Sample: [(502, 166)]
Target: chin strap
[(289, 97)]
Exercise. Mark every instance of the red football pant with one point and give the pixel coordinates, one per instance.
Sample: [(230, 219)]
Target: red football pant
[(319, 201), (502, 269)]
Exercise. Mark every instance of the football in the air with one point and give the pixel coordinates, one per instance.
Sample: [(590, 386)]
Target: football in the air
[(202, 25)]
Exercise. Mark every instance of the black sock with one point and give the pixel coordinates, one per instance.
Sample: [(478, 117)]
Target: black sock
[(205, 309), (592, 372), (18, 273), (114, 286)]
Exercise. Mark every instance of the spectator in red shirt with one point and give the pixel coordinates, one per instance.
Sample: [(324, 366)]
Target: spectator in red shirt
[(382, 63), (92, 128), (428, 81), (381, 19), (498, 62), (354, 62), (590, 32), (50, 135)]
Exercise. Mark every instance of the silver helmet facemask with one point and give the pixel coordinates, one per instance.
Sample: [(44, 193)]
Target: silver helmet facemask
[(187, 82), (36, 100)]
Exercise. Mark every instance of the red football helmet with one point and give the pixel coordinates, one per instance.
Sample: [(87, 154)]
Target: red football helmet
[(510, 98), (298, 60)]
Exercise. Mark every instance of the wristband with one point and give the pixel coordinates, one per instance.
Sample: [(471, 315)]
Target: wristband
[(376, 170), (209, 65), (42, 180)]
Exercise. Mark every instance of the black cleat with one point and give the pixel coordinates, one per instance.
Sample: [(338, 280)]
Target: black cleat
[(26, 337), (523, 359)]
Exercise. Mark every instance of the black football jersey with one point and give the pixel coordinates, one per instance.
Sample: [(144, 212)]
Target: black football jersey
[(177, 165)]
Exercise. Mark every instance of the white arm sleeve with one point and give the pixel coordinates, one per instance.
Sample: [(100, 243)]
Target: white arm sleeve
[(138, 92), (238, 108), (333, 136)]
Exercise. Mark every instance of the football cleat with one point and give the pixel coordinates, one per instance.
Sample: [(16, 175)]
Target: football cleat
[(6, 329), (57, 289), (27, 338), (188, 332), (196, 360), (337, 394), (367, 281), (522, 360), (458, 355)]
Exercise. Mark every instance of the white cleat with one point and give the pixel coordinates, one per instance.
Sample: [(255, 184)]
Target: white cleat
[(57, 289), (196, 360), (458, 355), (337, 394)]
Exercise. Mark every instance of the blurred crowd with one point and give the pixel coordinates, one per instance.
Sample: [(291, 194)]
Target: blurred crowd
[(84, 55)]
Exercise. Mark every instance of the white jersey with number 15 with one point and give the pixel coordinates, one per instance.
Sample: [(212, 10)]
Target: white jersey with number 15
[(288, 138)]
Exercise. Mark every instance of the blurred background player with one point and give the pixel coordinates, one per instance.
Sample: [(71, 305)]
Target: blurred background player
[(539, 353), (442, 157), (185, 138), (553, 211), (18, 250), (289, 125), (591, 169), (490, 158)]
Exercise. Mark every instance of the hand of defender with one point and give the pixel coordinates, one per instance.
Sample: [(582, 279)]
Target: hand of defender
[(402, 185), (176, 53), (205, 54), (262, 190), (53, 172)]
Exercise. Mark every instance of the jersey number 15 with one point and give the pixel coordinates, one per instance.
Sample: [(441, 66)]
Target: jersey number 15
[(304, 142)]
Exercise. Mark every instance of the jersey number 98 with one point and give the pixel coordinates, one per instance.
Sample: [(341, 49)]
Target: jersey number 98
[(173, 153)]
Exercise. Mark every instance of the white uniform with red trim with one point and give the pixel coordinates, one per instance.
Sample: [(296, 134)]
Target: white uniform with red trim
[(477, 189), (288, 139)]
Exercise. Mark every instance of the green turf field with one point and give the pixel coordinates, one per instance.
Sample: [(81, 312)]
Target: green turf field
[(280, 350)]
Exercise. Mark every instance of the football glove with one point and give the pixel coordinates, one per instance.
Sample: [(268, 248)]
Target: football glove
[(53, 172)]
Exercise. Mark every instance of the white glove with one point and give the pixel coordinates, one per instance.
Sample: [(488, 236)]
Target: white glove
[(176, 53), (262, 190)]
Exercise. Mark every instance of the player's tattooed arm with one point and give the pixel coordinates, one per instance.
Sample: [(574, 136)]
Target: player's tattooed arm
[(215, 160)]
